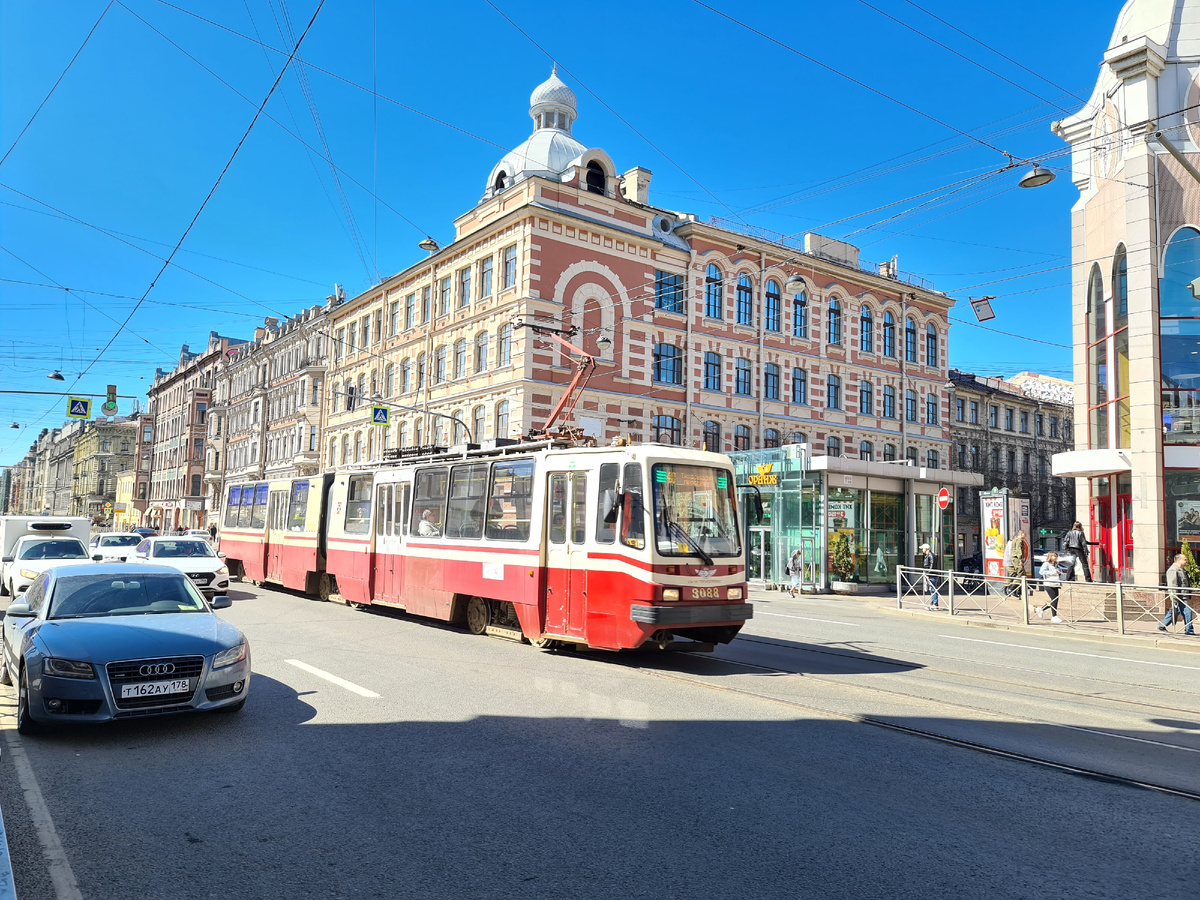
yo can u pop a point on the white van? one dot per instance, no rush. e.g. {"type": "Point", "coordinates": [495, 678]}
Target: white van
{"type": "Point", "coordinates": [13, 528]}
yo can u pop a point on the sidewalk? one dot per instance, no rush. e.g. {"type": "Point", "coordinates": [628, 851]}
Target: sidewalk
{"type": "Point", "coordinates": [886, 602]}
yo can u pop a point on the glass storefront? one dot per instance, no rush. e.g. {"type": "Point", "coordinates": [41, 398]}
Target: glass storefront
{"type": "Point", "coordinates": [885, 542]}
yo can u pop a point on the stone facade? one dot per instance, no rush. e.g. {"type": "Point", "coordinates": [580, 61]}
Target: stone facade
{"type": "Point", "coordinates": [101, 451]}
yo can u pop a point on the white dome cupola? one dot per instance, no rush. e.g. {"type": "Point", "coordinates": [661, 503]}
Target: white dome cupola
{"type": "Point", "coordinates": [552, 104]}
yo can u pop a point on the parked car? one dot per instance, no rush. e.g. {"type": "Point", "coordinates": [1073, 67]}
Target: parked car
{"type": "Point", "coordinates": [198, 533]}
{"type": "Point", "coordinates": [194, 557]}
{"type": "Point", "coordinates": [115, 640]}
{"type": "Point", "coordinates": [114, 547]}
{"type": "Point", "coordinates": [35, 553]}
{"type": "Point", "coordinates": [1066, 562]}
{"type": "Point", "coordinates": [144, 531]}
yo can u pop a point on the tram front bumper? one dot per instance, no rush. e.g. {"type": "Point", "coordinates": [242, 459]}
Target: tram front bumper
{"type": "Point", "coordinates": [690, 615]}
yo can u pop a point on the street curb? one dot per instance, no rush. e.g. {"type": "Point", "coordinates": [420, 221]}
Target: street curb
{"type": "Point", "coordinates": [1147, 642]}
{"type": "Point", "coordinates": [8, 888]}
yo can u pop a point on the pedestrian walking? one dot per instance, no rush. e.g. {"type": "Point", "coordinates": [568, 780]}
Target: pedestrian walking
{"type": "Point", "coordinates": [795, 569]}
{"type": "Point", "coordinates": [1178, 596]}
{"type": "Point", "coordinates": [1076, 541]}
{"type": "Point", "coordinates": [1014, 562]}
{"type": "Point", "coordinates": [1051, 581]}
{"type": "Point", "coordinates": [927, 563]}
{"type": "Point", "coordinates": [212, 531]}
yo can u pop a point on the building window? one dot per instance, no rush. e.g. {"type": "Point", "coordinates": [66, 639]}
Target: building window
{"type": "Point", "coordinates": [464, 287]}
{"type": "Point", "coordinates": [389, 381]}
{"type": "Point", "coordinates": [798, 437]}
{"type": "Point", "coordinates": [741, 437]}
{"type": "Point", "coordinates": [712, 437]}
{"type": "Point", "coordinates": [910, 341]}
{"type": "Point", "coordinates": [910, 406]}
{"type": "Point", "coordinates": [931, 409]}
{"type": "Point", "coordinates": [426, 304]}
{"type": "Point", "coordinates": [962, 456]}
{"type": "Point", "coordinates": [1026, 464]}
{"type": "Point", "coordinates": [866, 398]}
{"type": "Point", "coordinates": [421, 371]}
{"type": "Point", "coordinates": [741, 377]}
{"type": "Point", "coordinates": [509, 270]}
{"type": "Point", "coordinates": [771, 438]}
{"type": "Point", "coordinates": [394, 319]}
{"type": "Point", "coordinates": [668, 291]}
{"type": "Point", "coordinates": [666, 429]}
{"type": "Point", "coordinates": [668, 364]}
{"type": "Point", "coordinates": [405, 375]}
{"type": "Point", "coordinates": [379, 325]}
{"type": "Point", "coordinates": [833, 392]}
{"type": "Point", "coordinates": [745, 301]}
{"type": "Point", "coordinates": [1054, 426]}
{"type": "Point", "coordinates": [712, 371]}
{"type": "Point", "coordinates": [1008, 419]}
{"type": "Point", "coordinates": [866, 331]}
{"type": "Point", "coordinates": [799, 386]}
{"type": "Point", "coordinates": [771, 311]}
{"type": "Point", "coordinates": [714, 292]}
{"type": "Point", "coordinates": [444, 292]}
{"type": "Point", "coordinates": [478, 415]}
{"type": "Point", "coordinates": [889, 335]}
{"type": "Point", "coordinates": [911, 455]}
{"type": "Point", "coordinates": [975, 457]}
{"type": "Point", "coordinates": [410, 311]}
{"type": "Point", "coordinates": [501, 419]}
{"type": "Point", "coordinates": [439, 365]}
{"type": "Point", "coordinates": [504, 346]}
{"type": "Point", "coordinates": [995, 459]}
{"type": "Point", "coordinates": [1012, 462]}
{"type": "Point", "coordinates": [481, 352]}
{"type": "Point", "coordinates": [771, 382]}
{"type": "Point", "coordinates": [960, 406]}
{"type": "Point", "coordinates": [993, 417]}
{"type": "Point", "coordinates": [800, 315]}
{"type": "Point", "coordinates": [974, 412]}
{"type": "Point", "coordinates": [1040, 424]}
{"type": "Point", "coordinates": [889, 402]}
{"type": "Point", "coordinates": [834, 316]}
{"type": "Point", "coordinates": [889, 452]}
{"type": "Point", "coordinates": [933, 459]}
{"type": "Point", "coordinates": [866, 451]}
{"type": "Point", "coordinates": [485, 278]}
{"type": "Point", "coordinates": [1024, 422]}
{"type": "Point", "coordinates": [460, 359]}
{"type": "Point", "coordinates": [833, 446]}
{"type": "Point", "coordinates": [931, 345]}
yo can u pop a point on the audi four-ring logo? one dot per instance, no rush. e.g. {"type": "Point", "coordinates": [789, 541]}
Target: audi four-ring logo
{"type": "Point", "coordinates": [157, 669]}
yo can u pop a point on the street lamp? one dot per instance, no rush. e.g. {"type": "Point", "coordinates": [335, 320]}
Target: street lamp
{"type": "Point", "coordinates": [1036, 177]}
{"type": "Point", "coordinates": [430, 245]}
{"type": "Point", "coordinates": [56, 375]}
{"type": "Point", "coordinates": [794, 284]}
{"type": "Point", "coordinates": [15, 425]}
{"type": "Point", "coordinates": [604, 343]}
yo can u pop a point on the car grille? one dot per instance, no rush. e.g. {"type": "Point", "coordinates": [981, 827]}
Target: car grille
{"type": "Point", "coordinates": [158, 710]}
{"type": "Point", "coordinates": [224, 692]}
{"type": "Point", "coordinates": [129, 672]}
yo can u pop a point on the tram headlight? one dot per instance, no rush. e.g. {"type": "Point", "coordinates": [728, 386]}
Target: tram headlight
{"type": "Point", "coordinates": [734, 594]}
{"type": "Point", "coordinates": [670, 594]}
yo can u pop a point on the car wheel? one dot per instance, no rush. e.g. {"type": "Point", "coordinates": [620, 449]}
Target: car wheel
{"type": "Point", "coordinates": [3, 589]}
{"type": "Point", "coordinates": [25, 722]}
{"type": "Point", "coordinates": [5, 675]}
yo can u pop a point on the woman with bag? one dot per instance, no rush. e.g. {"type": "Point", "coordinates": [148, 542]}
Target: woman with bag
{"type": "Point", "coordinates": [1051, 581]}
{"type": "Point", "coordinates": [795, 568]}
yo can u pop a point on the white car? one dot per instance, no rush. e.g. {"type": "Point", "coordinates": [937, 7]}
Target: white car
{"type": "Point", "coordinates": [198, 533]}
{"type": "Point", "coordinates": [114, 547]}
{"type": "Point", "coordinates": [35, 553]}
{"type": "Point", "coordinates": [192, 556]}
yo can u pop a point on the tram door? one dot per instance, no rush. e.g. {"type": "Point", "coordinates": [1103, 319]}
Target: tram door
{"type": "Point", "coordinates": [758, 558]}
{"type": "Point", "coordinates": [277, 509]}
{"type": "Point", "coordinates": [390, 520]}
{"type": "Point", "coordinates": [566, 553]}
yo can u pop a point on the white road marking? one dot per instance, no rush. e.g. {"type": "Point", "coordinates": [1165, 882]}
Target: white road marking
{"type": "Point", "coordinates": [61, 876]}
{"type": "Point", "coordinates": [1124, 737]}
{"type": "Point", "coordinates": [954, 637]}
{"type": "Point", "coordinates": [807, 619]}
{"type": "Point", "coordinates": [341, 682]}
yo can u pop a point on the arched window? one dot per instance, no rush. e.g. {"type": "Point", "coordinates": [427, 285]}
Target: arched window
{"type": "Point", "coordinates": [460, 431]}
{"type": "Point", "coordinates": [798, 437]}
{"type": "Point", "coordinates": [333, 461]}
{"type": "Point", "coordinates": [833, 392]}
{"type": "Point", "coordinates": [771, 312]}
{"type": "Point", "coordinates": [771, 438]}
{"type": "Point", "coordinates": [712, 371]}
{"type": "Point", "coordinates": [460, 359]}
{"type": "Point", "coordinates": [481, 352]}
{"type": "Point", "coordinates": [595, 177]}
{"type": "Point", "coordinates": [833, 446]}
{"type": "Point", "coordinates": [910, 405]}
{"type": "Point", "coordinates": [889, 335]}
{"type": "Point", "coordinates": [501, 424]}
{"type": "Point", "coordinates": [389, 381]}
{"type": "Point", "coordinates": [741, 437]}
{"type": "Point", "coordinates": [419, 433]}
{"type": "Point", "coordinates": [866, 331]}
{"type": "Point", "coordinates": [799, 386]}
{"type": "Point", "coordinates": [504, 346]}
{"type": "Point", "coordinates": [800, 315]}
{"type": "Point", "coordinates": [374, 382]}
{"type": "Point", "coordinates": [358, 446]}
{"type": "Point", "coordinates": [933, 459]}
{"type": "Point", "coordinates": [666, 429]}
{"type": "Point", "coordinates": [770, 381]}
{"type": "Point", "coordinates": [931, 345]}
{"type": "Point", "coordinates": [745, 301]}
{"type": "Point", "coordinates": [478, 415]}
{"type": "Point", "coordinates": [1097, 319]}
{"type": "Point", "coordinates": [714, 292]}
{"type": "Point", "coordinates": [668, 364]}
{"type": "Point", "coordinates": [439, 365]}
{"type": "Point", "coordinates": [1178, 340]}
{"type": "Point", "coordinates": [712, 437]}
{"type": "Point", "coordinates": [741, 377]}
{"type": "Point", "coordinates": [402, 435]}
{"type": "Point", "coordinates": [910, 341]}
{"type": "Point", "coordinates": [889, 452]}
{"type": "Point", "coordinates": [834, 331]}
{"type": "Point", "coordinates": [931, 409]}
{"type": "Point", "coordinates": [498, 184]}
{"type": "Point", "coordinates": [866, 451]}
{"type": "Point", "coordinates": [421, 371]}
{"type": "Point", "coordinates": [866, 398]}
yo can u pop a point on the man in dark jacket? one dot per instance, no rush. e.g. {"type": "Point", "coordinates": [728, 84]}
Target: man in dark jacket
{"type": "Point", "coordinates": [1076, 541]}
{"type": "Point", "coordinates": [1178, 596]}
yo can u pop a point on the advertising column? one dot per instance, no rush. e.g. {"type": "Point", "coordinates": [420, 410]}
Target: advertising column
{"type": "Point", "coordinates": [993, 525]}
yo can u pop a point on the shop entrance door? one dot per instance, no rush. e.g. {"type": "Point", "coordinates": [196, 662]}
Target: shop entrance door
{"type": "Point", "coordinates": [1124, 538]}
{"type": "Point", "coordinates": [1101, 555]}
{"type": "Point", "coordinates": [758, 561]}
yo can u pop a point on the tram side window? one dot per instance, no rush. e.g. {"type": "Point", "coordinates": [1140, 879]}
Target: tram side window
{"type": "Point", "coordinates": [558, 509]}
{"type": "Point", "coordinates": [510, 501]}
{"type": "Point", "coordinates": [232, 507]}
{"type": "Point", "coordinates": [258, 513]}
{"type": "Point", "coordinates": [384, 525]}
{"type": "Point", "coordinates": [429, 502]}
{"type": "Point", "coordinates": [606, 532]}
{"type": "Point", "coordinates": [578, 508]}
{"type": "Point", "coordinates": [633, 516]}
{"type": "Point", "coordinates": [247, 502]}
{"type": "Point", "coordinates": [358, 504]}
{"type": "Point", "coordinates": [468, 487]}
{"type": "Point", "coordinates": [298, 506]}
{"type": "Point", "coordinates": [400, 516]}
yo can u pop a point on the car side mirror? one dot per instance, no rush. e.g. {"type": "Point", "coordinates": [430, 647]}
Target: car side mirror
{"type": "Point", "coordinates": [220, 602]}
{"type": "Point", "coordinates": [610, 503]}
{"type": "Point", "coordinates": [220, 554]}
{"type": "Point", "coordinates": [19, 609]}
{"type": "Point", "coordinates": [97, 558]}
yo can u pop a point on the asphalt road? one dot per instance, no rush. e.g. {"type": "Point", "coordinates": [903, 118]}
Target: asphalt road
{"type": "Point", "coordinates": [443, 765]}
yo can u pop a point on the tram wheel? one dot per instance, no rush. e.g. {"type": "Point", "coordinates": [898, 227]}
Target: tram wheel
{"type": "Point", "coordinates": [324, 587]}
{"type": "Point", "coordinates": [544, 643]}
{"type": "Point", "coordinates": [479, 615]}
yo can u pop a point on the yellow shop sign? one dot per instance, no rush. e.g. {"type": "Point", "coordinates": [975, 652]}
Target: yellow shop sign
{"type": "Point", "coordinates": [764, 477]}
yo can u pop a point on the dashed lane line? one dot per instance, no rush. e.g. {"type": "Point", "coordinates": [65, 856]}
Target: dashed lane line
{"type": "Point", "coordinates": [328, 676]}
{"type": "Point", "coordinates": [806, 619]}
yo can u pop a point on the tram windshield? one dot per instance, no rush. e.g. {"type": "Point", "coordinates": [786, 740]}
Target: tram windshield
{"type": "Point", "coordinates": [694, 513]}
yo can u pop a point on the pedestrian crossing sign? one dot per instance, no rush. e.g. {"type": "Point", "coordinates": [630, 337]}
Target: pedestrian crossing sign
{"type": "Point", "coordinates": [379, 415]}
{"type": "Point", "coordinates": [79, 408]}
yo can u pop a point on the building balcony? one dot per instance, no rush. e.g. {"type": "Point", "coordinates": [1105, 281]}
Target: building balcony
{"type": "Point", "coordinates": [213, 477]}
{"type": "Point", "coordinates": [314, 366]}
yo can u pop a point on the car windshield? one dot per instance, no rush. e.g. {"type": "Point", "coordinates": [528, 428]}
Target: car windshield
{"type": "Point", "coordinates": [87, 596]}
{"type": "Point", "coordinates": [694, 512]}
{"type": "Point", "coordinates": [120, 540]}
{"type": "Point", "coordinates": [54, 549]}
{"type": "Point", "coordinates": [182, 549]}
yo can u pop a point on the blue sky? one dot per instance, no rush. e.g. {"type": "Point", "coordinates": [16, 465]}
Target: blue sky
{"type": "Point", "coordinates": [730, 123]}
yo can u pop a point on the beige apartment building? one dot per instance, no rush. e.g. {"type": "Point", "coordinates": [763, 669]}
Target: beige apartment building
{"type": "Point", "coordinates": [706, 334]}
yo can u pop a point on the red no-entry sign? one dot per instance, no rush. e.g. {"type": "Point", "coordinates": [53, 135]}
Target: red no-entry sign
{"type": "Point", "coordinates": [943, 498]}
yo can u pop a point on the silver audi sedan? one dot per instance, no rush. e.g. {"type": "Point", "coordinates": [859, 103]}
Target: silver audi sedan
{"type": "Point", "coordinates": [114, 641]}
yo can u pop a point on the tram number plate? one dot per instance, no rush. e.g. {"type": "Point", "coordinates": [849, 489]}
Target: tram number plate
{"type": "Point", "coordinates": [706, 593]}
{"type": "Point", "coordinates": [153, 688]}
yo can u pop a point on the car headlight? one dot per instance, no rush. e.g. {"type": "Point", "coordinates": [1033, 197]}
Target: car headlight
{"type": "Point", "coordinates": [29, 573]}
{"type": "Point", "coordinates": [734, 594]}
{"type": "Point", "coordinates": [68, 668]}
{"type": "Point", "coordinates": [230, 656]}
{"type": "Point", "coordinates": [224, 570]}
{"type": "Point", "coordinates": [670, 594]}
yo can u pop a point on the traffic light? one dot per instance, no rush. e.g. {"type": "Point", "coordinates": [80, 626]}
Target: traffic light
{"type": "Point", "coordinates": [110, 404]}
